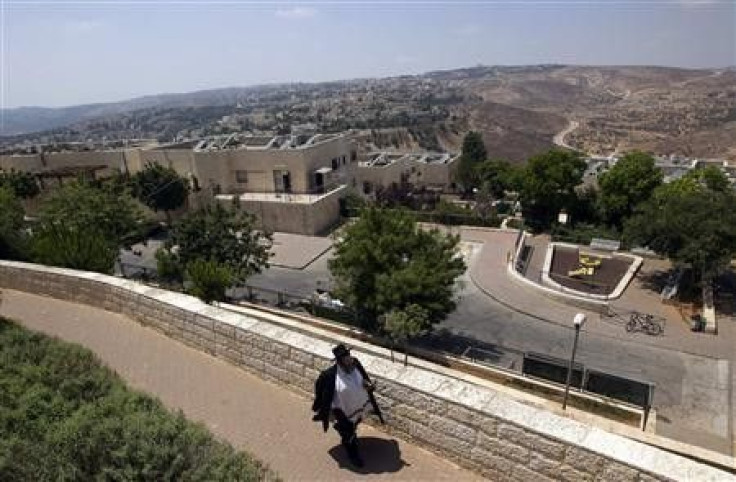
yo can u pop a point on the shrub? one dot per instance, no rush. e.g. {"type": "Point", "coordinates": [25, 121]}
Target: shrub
{"type": "Point", "coordinates": [63, 416]}
{"type": "Point", "coordinates": [72, 247]}
{"type": "Point", "coordinates": [209, 280]}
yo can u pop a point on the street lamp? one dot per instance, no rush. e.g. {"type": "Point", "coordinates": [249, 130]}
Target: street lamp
{"type": "Point", "coordinates": [579, 320]}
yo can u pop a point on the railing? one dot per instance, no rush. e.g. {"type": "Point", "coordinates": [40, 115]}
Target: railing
{"type": "Point", "coordinates": [434, 217]}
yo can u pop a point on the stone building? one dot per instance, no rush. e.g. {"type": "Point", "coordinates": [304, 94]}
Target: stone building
{"type": "Point", "coordinates": [291, 183]}
{"type": "Point", "coordinates": [434, 171]}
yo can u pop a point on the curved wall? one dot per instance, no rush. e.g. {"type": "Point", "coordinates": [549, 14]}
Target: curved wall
{"type": "Point", "coordinates": [476, 426]}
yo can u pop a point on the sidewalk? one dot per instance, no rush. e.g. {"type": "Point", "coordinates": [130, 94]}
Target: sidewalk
{"type": "Point", "coordinates": [264, 419]}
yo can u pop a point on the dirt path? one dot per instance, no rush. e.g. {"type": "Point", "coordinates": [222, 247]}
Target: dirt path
{"type": "Point", "coordinates": [559, 138]}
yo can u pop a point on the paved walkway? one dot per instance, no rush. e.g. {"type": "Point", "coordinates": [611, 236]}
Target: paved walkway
{"type": "Point", "coordinates": [266, 420]}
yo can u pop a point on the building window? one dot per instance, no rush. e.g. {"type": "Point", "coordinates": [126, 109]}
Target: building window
{"type": "Point", "coordinates": [241, 177]}
{"type": "Point", "coordinates": [344, 158]}
{"type": "Point", "coordinates": [367, 187]}
{"type": "Point", "coordinates": [353, 156]}
{"type": "Point", "coordinates": [282, 181]}
{"type": "Point", "coordinates": [335, 163]}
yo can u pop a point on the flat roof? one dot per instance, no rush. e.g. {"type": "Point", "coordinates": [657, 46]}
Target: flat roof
{"type": "Point", "coordinates": [263, 142]}
{"type": "Point", "coordinates": [383, 159]}
{"type": "Point", "coordinates": [282, 197]}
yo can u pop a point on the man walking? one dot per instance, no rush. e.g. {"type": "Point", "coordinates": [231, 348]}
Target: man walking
{"type": "Point", "coordinates": [342, 393]}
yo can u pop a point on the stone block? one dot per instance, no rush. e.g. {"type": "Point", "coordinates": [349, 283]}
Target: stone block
{"type": "Point", "coordinates": [229, 342]}
{"type": "Point", "coordinates": [301, 357]}
{"type": "Point", "coordinates": [613, 472]}
{"type": "Point", "coordinates": [513, 433]}
{"type": "Point", "coordinates": [320, 363]}
{"type": "Point", "coordinates": [254, 364]}
{"type": "Point", "coordinates": [204, 322]}
{"type": "Point", "coordinates": [304, 385]}
{"type": "Point", "coordinates": [233, 356]}
{"type": "Point", "coordinates": [192, 339]}
{"type": "Point", "coordinates": [583, 460]}
{"type": "Point", "coordinates": [521, 473]}
{"type": "Point", "coordinates": [244, 336]}
{"type": "Point", "coordinates": [311, 374]}
{"type": "Point", "coordinates": [549, 448]}
{"type": "Point", "coordinates": [486, 442]}
{"type": "Point", "coordinates": [543, 465]}
{"type": "Point", "coordinates": [411, 397]}
{"type": "Point", "coordinates": [490, 461]}
{"type": "Point", "coordinates": [277, 373]}
{"type": "Point", "coordinates": [408, 412]}
{"type": "Point", "coordinates": [462, 414]}
{"type": "Point", "coordinates": [253, 352]}
{"type": "Point", "coordinates": [569, 474]}
{"type": "Point", "coordinates": [452, 428]}
{"type": "Point", "coordinates": [487, 424]}
{"type": "Point", "coordinates": [280, 349]}
{"type": "Point", "coordinates": [384, 401]}
{"type": "Point", "coordinates": [224, 329]}
{"type": "Point", "coordinates": [294, 367]}
{"type": "Point", "coordinates": [514, 452]}
{"type": "Point", "coordinates": [261, 342]}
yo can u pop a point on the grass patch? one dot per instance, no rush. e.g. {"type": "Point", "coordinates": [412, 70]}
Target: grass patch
{"type": "Point", "coordinates": [64, 416]}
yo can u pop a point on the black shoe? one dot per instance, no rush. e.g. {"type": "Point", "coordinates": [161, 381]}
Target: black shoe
{"type": "Point", "coordinates": [354, 454]}
{"type": "Point", "coordinates": [356, 460]}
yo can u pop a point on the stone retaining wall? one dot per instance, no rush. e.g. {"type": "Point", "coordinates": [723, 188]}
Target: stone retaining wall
{"type": "Point", "coordinates": [476, 426]}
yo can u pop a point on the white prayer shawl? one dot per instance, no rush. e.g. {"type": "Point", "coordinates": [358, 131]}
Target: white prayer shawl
{"type": "Point", "coordinates": [350, 395]}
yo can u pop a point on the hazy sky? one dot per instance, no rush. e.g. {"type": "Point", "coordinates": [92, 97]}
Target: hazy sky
{"type": "Point", "coordinates": [62, 53]}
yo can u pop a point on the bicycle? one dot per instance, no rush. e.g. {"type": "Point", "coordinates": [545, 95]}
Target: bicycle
{"type": "Point", "coordinates": [644, 323]}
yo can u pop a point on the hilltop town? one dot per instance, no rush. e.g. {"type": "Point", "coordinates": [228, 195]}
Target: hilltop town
{"type": "Point", "coordinates": [520, 111]}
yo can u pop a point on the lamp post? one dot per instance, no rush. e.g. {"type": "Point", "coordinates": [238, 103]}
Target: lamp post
{"type": "Point", "coordinates": [579, 320]}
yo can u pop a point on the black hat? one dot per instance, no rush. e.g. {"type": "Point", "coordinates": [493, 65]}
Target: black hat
{"type": "Point", "coordinates": [340, 351]}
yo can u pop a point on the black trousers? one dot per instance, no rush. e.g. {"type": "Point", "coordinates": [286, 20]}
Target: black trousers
{"type": "Point", "coordinates": [347, 430]}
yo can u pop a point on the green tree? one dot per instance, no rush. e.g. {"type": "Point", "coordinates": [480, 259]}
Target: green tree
{"type": "Point", "coordinates": [221, 235]}
{"type": "Point", "coordinates": [23, 184]}
{"type": "Point", "coordinates": [168, 268]}
{"type": "Point", "coordinates": [79, 206]}
{"type": "Point", "coordinates": [711, 177]}
{"type": "Point", "coordinates": [12, 238]}
{"type": "Point", "coordinates": [75, 247]}
{"type": "Point", "coordinates": [209, 280]}
{"type": "Point", "coordinates": [385, 261]}
{"type": "Point", "coordinates": [497, 176]}
{"type": "Point", "coordinates": [691, 224]}
{"type": "Point", "coordinates": [548, 185]}
{"type": "Point", "coordinates": [628, 183]}
{"type": "Point", "coordinates": [160, 188]}
{"type": "Point", "coordinates": [403, 325]}
{"type": "Point", "coordinates": [473, 153]}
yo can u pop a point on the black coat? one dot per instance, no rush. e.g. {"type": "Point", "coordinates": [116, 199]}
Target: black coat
{"type": "Point", "coordinates": [324, 392]}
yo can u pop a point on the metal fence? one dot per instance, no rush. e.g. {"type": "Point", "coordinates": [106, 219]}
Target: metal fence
{"type": "Point", "coordinates": [437, 217]}
{"type": "Point", "coordinates": [588, 380]}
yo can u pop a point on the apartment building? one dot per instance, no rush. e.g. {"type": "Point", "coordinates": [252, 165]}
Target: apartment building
{"type": "Point", "coordinates": [291, 183]}
{"type": "Point", "coordinates": [435, 171]}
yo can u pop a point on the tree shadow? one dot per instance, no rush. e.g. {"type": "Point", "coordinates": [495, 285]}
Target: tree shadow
{"type": "Point", "coordinates": [470, 347]}
{"type": "Point", "coordinates": [655, 280]}
{"type": "Point", "coordinates": [725, 293]}
{"type": "Point", "coordinates": [380, 456]}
